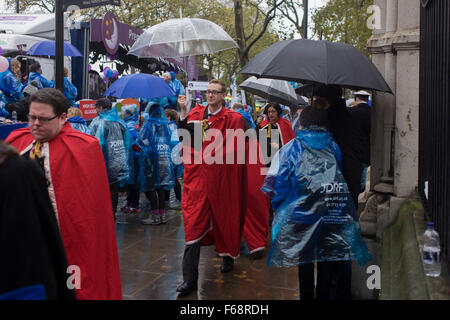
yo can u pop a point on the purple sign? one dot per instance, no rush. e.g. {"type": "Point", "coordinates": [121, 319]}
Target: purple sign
{"type": "Point", "coordinates": [192, 69]}
{"type": "Point", "coordinates": [110, 32]}
{"type": "Point", "coordinates": [127, 35]}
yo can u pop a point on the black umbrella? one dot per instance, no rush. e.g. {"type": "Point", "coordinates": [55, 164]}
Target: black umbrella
{"type": "Point", "coordinates": [317, 62]}
{"type": "Point", "coordinates": [271, 89]}
{"type": "Point", "coordinates": [306, 90]}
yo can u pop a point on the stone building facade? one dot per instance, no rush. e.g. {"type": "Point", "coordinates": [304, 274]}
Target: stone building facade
{"type": "Point", "coordinates": [395, 118]}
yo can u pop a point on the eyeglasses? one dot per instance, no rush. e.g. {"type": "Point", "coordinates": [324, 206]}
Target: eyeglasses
{"type": "Point", "coordinates": [213, 92]}
{"type": "Point", "coordinates": [32, 118]}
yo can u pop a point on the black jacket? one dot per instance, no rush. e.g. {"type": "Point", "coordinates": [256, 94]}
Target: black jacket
{"type": "Point", "coordinates": [361, 115]}
{"type": "Point", "coordinates": [31, 248]}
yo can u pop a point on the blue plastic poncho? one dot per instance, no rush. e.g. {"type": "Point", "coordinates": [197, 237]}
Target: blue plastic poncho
{"type": "Point", "coordinates": [130, 115]}
{"type": "Point", "coordinates": [177, 87]}
{"type": "Point", "coordinates": [78, 123]}
{"type": "Point", "coordinates": [246, 117]}
{"type": "Point", "coordinates": [315, 218]}
{"type": "Point", "coordinates": [3, 112]}
{"type": "Point", "coordinates": [176, 149]}
{"type": "Point", "coordinates": [70, 91]}
{"type": "Point", "coordinates": [155, 165]}
{"type": "Point", "coordinates": [43, 82]}
{"type": "Point", "coordinates": [116, 145]}
{"type": "Point", "coordinates": [11, 87]}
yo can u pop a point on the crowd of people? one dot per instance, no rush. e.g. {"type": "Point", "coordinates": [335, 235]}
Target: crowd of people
{"type": "Point", "coordinates": [229, 205]}
{"type": "Point", "coordinates": [16, 88]}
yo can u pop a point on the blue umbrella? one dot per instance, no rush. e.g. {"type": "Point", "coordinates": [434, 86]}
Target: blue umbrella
{"type": "Point", "coordinates": [140, 85]}
{"type": "Point", "coordinates": [47, 48]}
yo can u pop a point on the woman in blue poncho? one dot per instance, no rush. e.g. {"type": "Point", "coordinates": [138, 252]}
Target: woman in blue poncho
{"type": "Point", "coordinates": [36, 74]}
{"type": "Point", "coordinates": [76, 121]}
{"type": "Point", "coordinates": [315, 220]}
{"type": "Point", "coordinates": [70, 91]}
{"type": "Point", "coordinates": [10, 83]}
{"type": "Point", "coordinates": [116, 144]}
{"type": "Point", "coordinates": [175, 145]}
{"type": "Point", "coordinates": [130, 115]}
{"type": "Point", "coordinates": [156, 170]}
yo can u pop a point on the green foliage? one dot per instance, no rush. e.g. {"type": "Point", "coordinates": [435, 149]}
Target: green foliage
{"type": "Point", "coordinates": [343, 21]}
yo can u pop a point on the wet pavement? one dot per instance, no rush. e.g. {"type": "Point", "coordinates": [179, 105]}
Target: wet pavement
{"type": "Point", "coordinates": [150, 260]}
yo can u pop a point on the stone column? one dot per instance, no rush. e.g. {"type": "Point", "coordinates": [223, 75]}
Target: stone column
{"type": "Point", "coordinates": [407, 44]}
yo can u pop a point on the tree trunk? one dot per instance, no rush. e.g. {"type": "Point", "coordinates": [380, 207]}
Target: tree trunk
{"type": "Point", "coordinates": [240, 35]}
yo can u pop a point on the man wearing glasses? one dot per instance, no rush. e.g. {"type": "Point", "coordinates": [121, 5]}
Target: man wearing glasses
{"type": "Point", "coordinates": [214, 194]}
{"type": "Point", "coordinates": [79, 191]}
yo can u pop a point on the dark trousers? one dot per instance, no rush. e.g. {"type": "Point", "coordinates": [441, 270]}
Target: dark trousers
{"type": "Point", "coordinates": [306, 281]}
{"type": "Point", "coordinates": [114, 189]}
{"type": "Point", "coordinates": [334, 280]}
{"type": "Point", "coordinates": [176, 189]}
{"type": "Point", "coordinates": [133, 191]}
{"type": "Point", "coordinates": [352, 171]}
{"type": "Point", "coordinates": [157, 198]}
{"type": "Point", "coordinates": [133, 195]}
{"type": "Point", "coordinates": [191, 259]}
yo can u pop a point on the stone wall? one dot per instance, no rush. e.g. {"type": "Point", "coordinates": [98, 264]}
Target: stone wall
{"type": "Point", "coordinates": [395, 118]}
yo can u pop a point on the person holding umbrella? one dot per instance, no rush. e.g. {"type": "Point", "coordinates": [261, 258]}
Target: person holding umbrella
{"type": "Point", "coordinates": [214, 200]}
{"type": "Point", "coordinates": [314, 221]}
{"type": "Point", "coordinates": [346, 133]}
{"type": "Point", "coordinates": [275, 126]}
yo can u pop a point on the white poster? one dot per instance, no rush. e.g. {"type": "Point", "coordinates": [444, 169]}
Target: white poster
{"type": "Point", "coordinates": [197, 85]}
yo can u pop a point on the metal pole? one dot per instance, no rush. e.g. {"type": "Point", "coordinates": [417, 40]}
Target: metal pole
{"type": "Point", "coordinates": [17, 6]}
{"type": "Point", "coordinates": [305, 18]}
{"type": "Point", "coordinates": [59, 45]}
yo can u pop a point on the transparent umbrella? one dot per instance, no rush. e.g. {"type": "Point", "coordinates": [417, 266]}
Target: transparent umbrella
{"type": "Point", "coordinates": [181, 38]}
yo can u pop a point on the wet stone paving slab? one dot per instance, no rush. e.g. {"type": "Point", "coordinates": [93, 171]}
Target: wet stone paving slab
{"type": "Point", "coordinates": [150, 258]}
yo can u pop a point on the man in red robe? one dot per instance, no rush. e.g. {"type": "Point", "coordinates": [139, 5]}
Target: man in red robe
{"type": "Point", "coordinates": [214, 190]}
{"type": "Point", "coordinates": [79, 191]}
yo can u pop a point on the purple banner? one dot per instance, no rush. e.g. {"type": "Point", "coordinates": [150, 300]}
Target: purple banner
{"type": "Point", "coordinates": [192, 69]}
{"type": "Point", "coordinates": [127, 34]}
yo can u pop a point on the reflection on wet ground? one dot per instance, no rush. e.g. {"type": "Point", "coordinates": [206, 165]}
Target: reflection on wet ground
{"type": "Point", "coordinates": [150, 262]}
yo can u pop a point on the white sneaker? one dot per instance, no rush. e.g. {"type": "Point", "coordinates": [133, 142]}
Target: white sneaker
{"type": "Point", "coordinates": [152, 220]}
{"type": "Point", "coordinates": [162, 218]}
{"type": "Point", "coordinates": [176, 204]}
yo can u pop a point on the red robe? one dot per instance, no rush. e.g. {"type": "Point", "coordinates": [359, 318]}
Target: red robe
{"type": "Point", "coordinates": [256, 227]}
{"type": "Point", "coordinates": [79, 190]}
{"type": "Point", "coordinates": [286, 131]}
{"type": "Point", "coordinates": [214, 197]}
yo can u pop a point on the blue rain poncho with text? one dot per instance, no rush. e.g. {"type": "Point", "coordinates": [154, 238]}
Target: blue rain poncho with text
{"type": "Point", "coordinates": [314, 215]}
{"type": "Point", "coordinates": [155, 164]}
{"type": "Point", "coordinates": [116, 145]}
